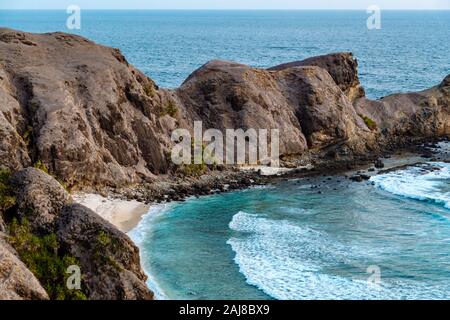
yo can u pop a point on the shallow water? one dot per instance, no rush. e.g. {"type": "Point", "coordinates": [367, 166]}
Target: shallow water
{"type": "Point", "coordinates": [291, 242]}
{"type": "Point", "coordinates": [411, 52]}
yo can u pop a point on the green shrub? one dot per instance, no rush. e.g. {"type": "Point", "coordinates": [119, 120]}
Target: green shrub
{"type": "Point", "coordinates": [149, 90]}
{"type": "Point", "coordinates": [28, 136]}
{"type": "Point", "coordinates": [41, 255]}
{"type": "Point", "coordinates": [41, 166]}
{"type": "Point", "coordinates": [171, 109]}
{"type": "Point", "coordinates": [7, 198]}
{"type": "Point", "coordinates": [371, 124]}
{"type": "Point", "coordinates": [103, 239]}
{"type": "Point", "coordinates": [192, 170]}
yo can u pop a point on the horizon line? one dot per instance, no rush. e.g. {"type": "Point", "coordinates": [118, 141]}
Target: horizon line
{"type": "Point", "coordinates": [230, 9]}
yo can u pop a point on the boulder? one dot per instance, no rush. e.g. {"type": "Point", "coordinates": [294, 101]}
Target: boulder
{"type": "Point", "coordinates": [39, 198]}
{"type": "Point", "coordinates": [109, 261]}
{"type": "Point", "coordinates": [16, 281]}
{"type": "Point", "coordinates": [342, 67]}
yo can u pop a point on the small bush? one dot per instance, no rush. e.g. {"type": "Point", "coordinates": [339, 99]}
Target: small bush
{"type": "Point", "coordinates": [103, 239]}
{"type": "Point", "coordinates": [192, 170]}
{"type": "Point", "coordinates": [41, 256]}
{"type": "Point", "coordinates": [7, 198]}
{"type": "Point", "coordinates": [171, 109]}
{"type": "Point", "coordinates": [28, 136]}
{"type": "Point", "coordinates": [41, 166]}
{"type": "Point", "coordinates": [149, 90]}
{"type": "Point", "coordinates": [372, 125]}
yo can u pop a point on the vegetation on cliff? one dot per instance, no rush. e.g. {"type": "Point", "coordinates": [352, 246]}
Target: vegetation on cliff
{"type": "Point", "coordinates": [43, 257]}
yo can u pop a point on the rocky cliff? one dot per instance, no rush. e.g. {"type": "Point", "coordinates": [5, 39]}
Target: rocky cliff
{"type": "Point", "coordinates": [87, 118]}
{"type": "Point", "coordinates": [50, 234]}
{"type": "Point", "coordinates": [93, 119]}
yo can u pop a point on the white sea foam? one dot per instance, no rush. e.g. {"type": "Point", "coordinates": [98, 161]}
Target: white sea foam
{"type": "Point", "coordinates": [422, 182]}
{"type": "Point", "coordinates": [287, 261]}
{"type": "Point", "coordinates": [138, 235]}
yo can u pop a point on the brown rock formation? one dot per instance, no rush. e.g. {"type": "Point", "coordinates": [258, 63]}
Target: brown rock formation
{"type": "Point", "coordinates": [109, 261]}
{"type": "Point", "coordinates": [93, 119]}
{"type": "Point", "coordinates": [16, 281]}
{"type": "Point", "coordinates": [342, 67]}
{"type": "Point", "coordinates": [40, 198]}
{"type": "Point", "coordinates": [80, 108]}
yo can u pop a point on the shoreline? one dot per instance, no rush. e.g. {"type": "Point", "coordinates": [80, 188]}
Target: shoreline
{"type": "Point", "coordinates": [126, 212]}
{"type": "Point", "coordinates": [125, 215]}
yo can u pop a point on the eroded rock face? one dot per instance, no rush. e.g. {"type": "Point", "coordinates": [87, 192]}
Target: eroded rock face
{"type": "Point", "coordinates": [2, 224]}
{"type": "Point", "coordinates": [303, 102]}
{"type": "Point", "coordinates": [80, 108]}
{"type": "Point", "coordinates": [109, 260]}
{"type": "Point", "coordinates": [410, 115]}
{"type": "Point", "coordinates": [227, 95]}
{"type": "Point", "coordinates": [342, 67]}
{"type": "Point", "coordinates": [16, 281]}
{"type": "Point", "coordinates": [110, 264]}
{"type": "Point", "coordinates": [95, 120]}
{"type": "Point", "coordinates": [39, 198]}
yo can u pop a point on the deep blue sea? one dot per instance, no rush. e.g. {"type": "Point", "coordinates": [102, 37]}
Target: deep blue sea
{"type": "Point", "coordinates": [387, 238]}
{"type": "Point", "coordinates": [411, 51]}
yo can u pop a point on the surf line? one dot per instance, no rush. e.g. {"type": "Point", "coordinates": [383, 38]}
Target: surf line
{"type": "Point", "coordinates": [191, 310]}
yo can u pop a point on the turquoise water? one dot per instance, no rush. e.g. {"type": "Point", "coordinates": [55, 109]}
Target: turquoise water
{"type": "Point", "coordinates": [288, 241]}
{"type": "Point", "coordinates": [410, 52]}
{"type": "Point", "coordinates": [383, 239]}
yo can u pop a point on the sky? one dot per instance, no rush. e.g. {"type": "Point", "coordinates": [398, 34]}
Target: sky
{"type": "Point", "coordinates": [225, 4]}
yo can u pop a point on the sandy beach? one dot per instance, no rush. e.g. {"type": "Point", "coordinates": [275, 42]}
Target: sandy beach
{"type": "Point", "coordinates": [123, 214]}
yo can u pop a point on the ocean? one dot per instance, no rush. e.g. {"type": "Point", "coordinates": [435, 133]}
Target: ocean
{"type": "Point", "coordinates": [410, 52]}
{"type": "Point", "coordinates": [386, 238]}
{"type": "Point", "coordinates": [316, 238]}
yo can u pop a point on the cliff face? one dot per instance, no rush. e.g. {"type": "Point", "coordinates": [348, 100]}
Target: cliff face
{"type": "Point", "coordinates": [400, 116]}
{"type": "Point", "coordinates": [50, 234]}
{"type": "Point", "coordinates": [80, 108]}
{"type": "Point", "coordinates": [92, 118]}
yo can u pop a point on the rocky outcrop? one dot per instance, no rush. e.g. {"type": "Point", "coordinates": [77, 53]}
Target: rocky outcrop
{"type": "Point", "coordinates": [109, 261]}
{"type": "Point", "coordinates": [94, 120]}
{"type": "Point", "coordinates": [39, 198]}
{"type": "Point", "coordinates": [342, 67]}
{"type": "Point", "coordinates": [16, 281]}
{"type": "Point", "coordinates": [402, 117]}
{"type": "Point", "coordinates": [304, 103]}
{"type": "Point", "coordinates": [80, 108]}
{"type": "Point", "coordinates": [82, 112]}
